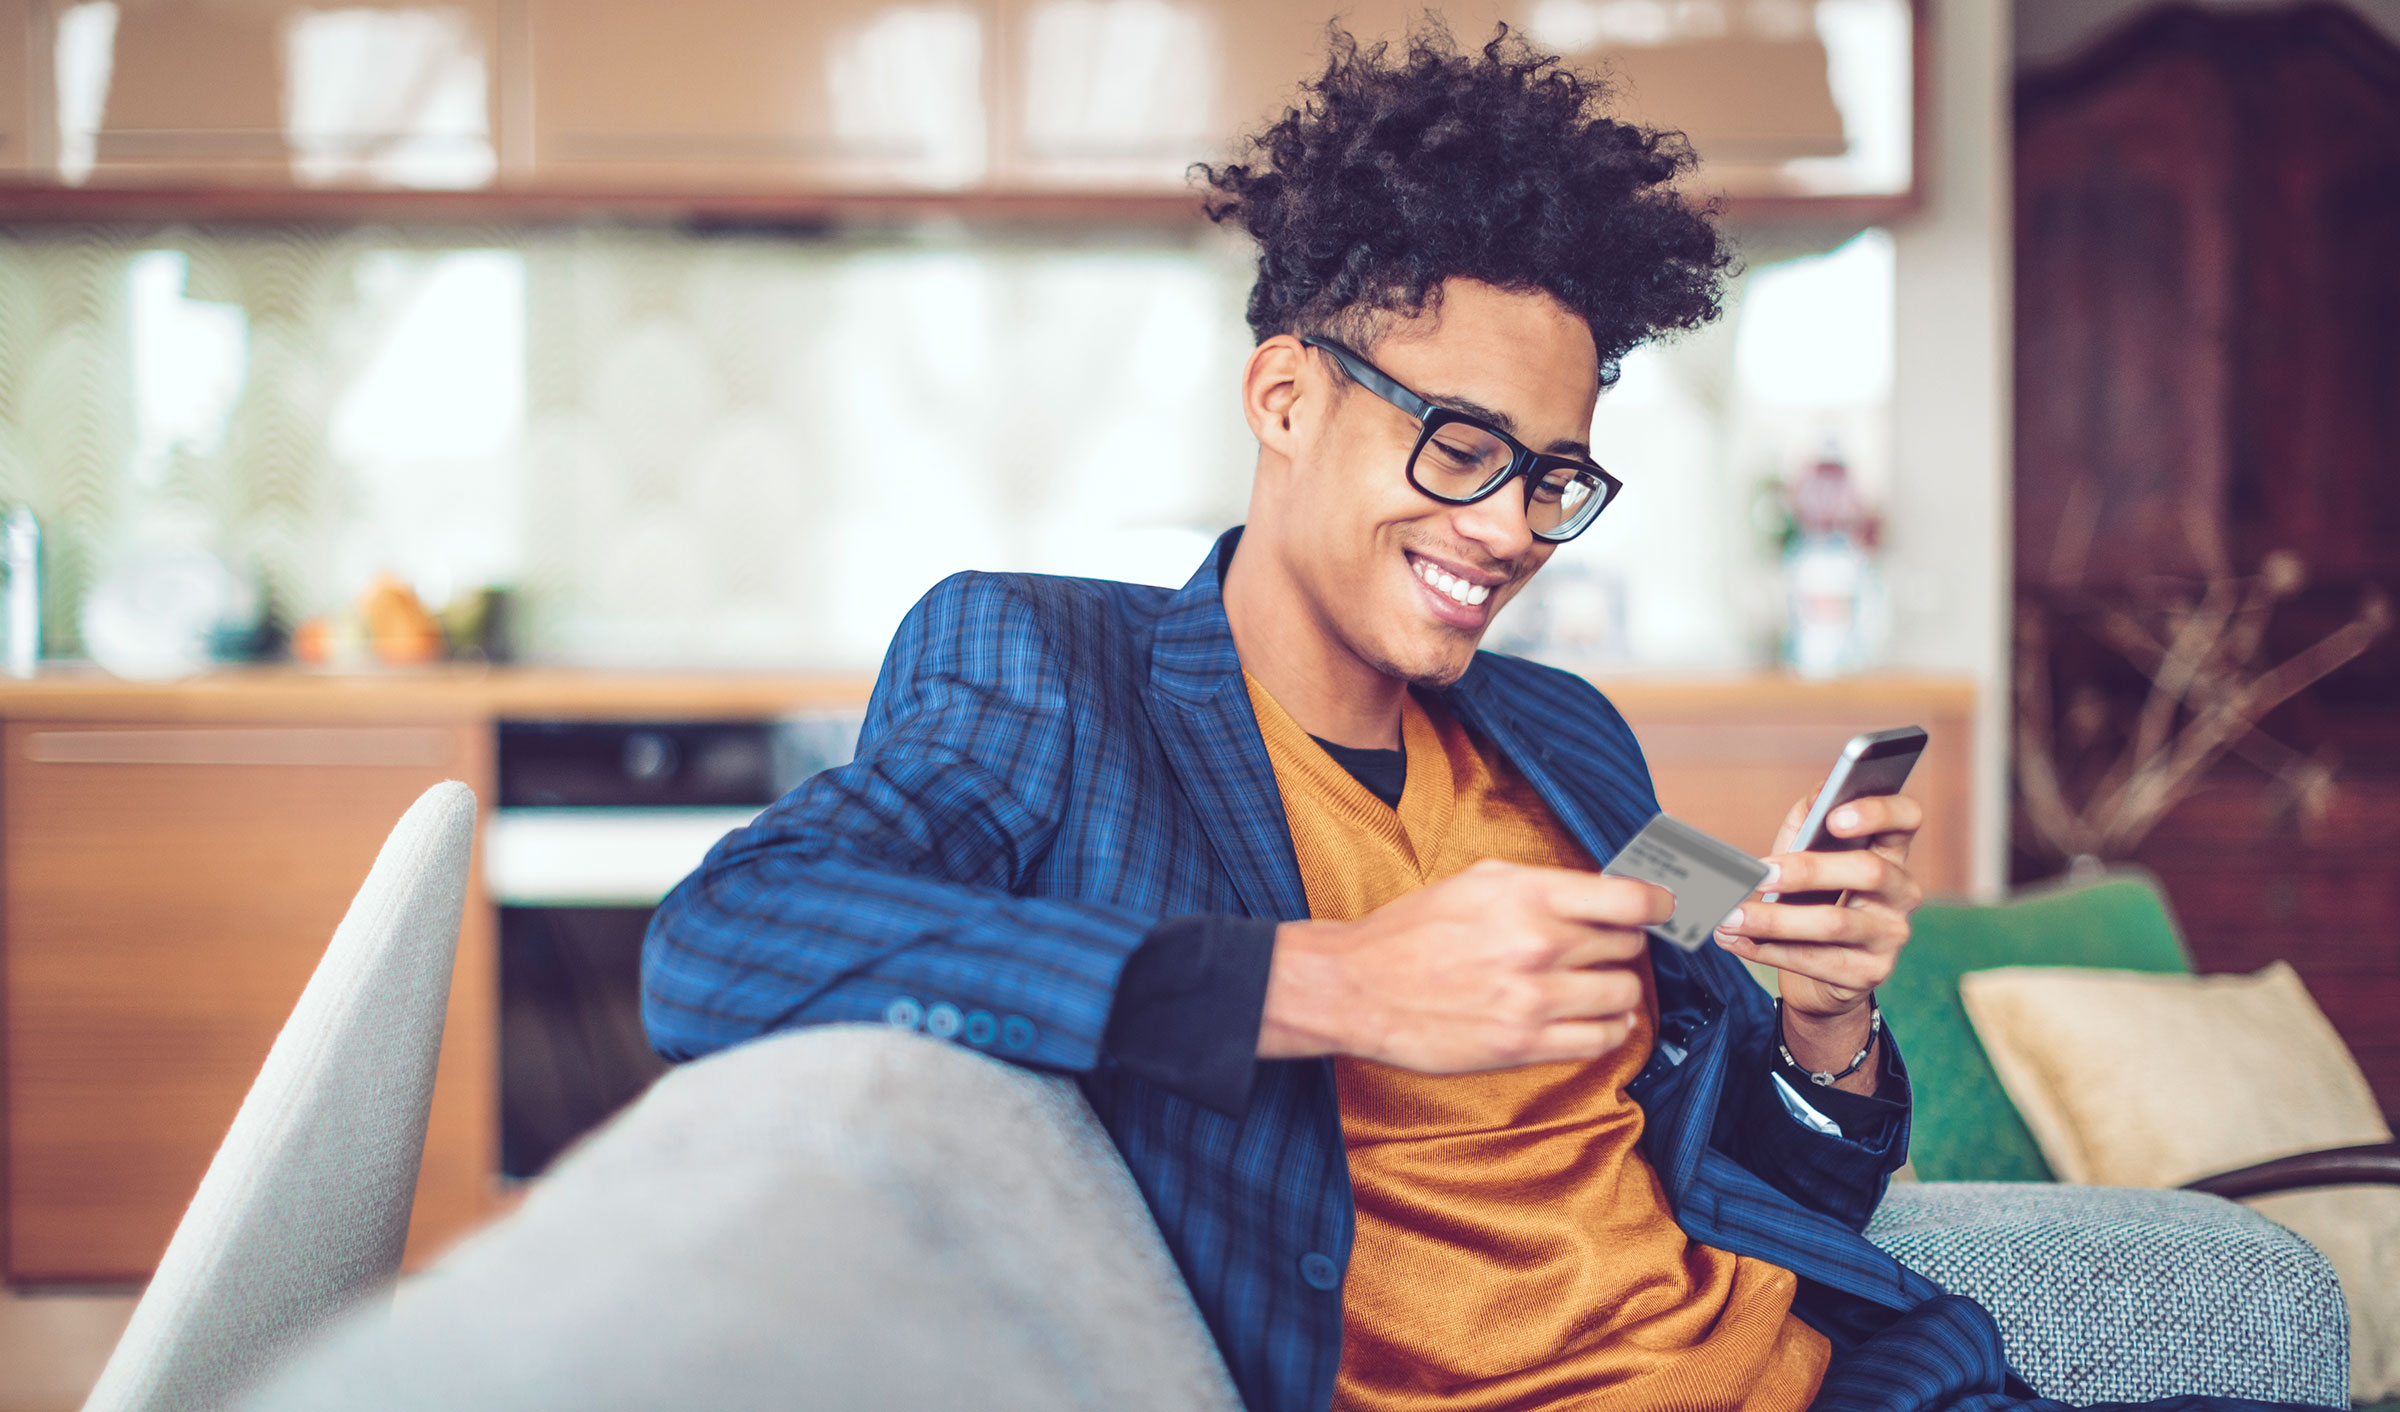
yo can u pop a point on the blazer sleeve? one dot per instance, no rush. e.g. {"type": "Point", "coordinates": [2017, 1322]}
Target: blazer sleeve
{"type": "Point", "coordinates": [882, 890]}
{"type": "Point", "coordinates": [1844, 1177]}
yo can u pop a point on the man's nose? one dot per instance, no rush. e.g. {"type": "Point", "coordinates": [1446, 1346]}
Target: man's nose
{"type": "Point", "coordinates": [1497, 523]}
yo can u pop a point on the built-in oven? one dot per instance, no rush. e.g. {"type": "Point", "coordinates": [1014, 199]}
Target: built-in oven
{"type": "Point", "coordinates": [597, 820]}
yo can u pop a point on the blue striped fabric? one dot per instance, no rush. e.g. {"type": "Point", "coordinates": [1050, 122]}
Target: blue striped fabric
{"type": "Point", "coordinates": [1050, 766]}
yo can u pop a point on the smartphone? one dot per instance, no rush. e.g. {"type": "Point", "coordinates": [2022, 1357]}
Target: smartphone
{"type": "Point", "coordinates": [1872, 764]}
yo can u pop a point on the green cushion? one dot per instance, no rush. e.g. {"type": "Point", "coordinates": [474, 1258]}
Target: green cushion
{"type": "Point", "coordinates": [1965, 1128]}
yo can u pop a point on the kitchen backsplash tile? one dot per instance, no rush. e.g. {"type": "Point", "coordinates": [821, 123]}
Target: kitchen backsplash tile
{"type": "Point", "coordinates": [680, 449]}
{"type": "Point", "coordinates": [743, 450]}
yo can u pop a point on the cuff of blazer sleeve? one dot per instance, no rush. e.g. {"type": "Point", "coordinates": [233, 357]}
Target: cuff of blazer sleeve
{"type": "Point", "coordinates": [1188, 1008]}
{"type": "Point", "coordinates": [1863, 1117]}
{"type": "Point", "coordinates": [1869, 1120]}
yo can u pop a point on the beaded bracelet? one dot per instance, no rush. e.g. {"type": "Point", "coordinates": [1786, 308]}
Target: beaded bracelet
{"type": "Point", "coordinates": [1819, 1078]}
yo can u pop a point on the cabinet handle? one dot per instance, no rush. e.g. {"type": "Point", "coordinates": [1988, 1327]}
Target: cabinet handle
{"type": "Point", "coordinates": [400, 747]}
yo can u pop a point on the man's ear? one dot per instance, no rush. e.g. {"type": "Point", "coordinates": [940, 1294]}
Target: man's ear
{"type": "Point", "coordinates": [1270, 389]}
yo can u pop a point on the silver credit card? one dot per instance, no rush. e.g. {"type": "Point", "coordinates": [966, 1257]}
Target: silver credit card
{"type": "Point", "coordinates": [1708, 877]}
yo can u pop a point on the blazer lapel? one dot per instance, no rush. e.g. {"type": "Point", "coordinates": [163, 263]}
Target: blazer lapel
{"type": "Point", "coordinates": [1600, 821]}
{"type": "Point", "coordinates": [1203, 717]}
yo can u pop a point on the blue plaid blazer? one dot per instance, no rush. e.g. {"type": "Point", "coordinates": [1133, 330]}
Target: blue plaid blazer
{"type": "Point", "coordinates": [1048, 767]}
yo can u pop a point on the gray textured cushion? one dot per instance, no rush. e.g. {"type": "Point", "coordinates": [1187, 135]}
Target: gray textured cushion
{"type": "Point", "coordinates": [2109, 1294]}
{"type": "Point", "coordinates": [304, 1209]}
{"type": "Point", "coordinates": [837, 1218]}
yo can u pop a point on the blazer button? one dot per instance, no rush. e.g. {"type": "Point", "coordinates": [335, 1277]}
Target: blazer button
{"type": "Point", "coordinates": [904, 1014]}
{"type": "Point", "coordinates": [942, 1020]}
{"type": "Point", "coordinates": [1318, 1269]}
{"type": "Point", "coordinates": [1016, 1032]}
{"type": "Point", "coordinates": [981, 1027]}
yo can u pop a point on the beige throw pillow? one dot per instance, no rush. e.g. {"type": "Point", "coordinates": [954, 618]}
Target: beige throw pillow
{"type": "Point", "coordinates": [2131, 1078]}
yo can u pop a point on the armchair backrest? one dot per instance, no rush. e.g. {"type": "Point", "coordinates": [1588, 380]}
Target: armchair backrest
{"type": "Point", "coordinates": [304, 1209]}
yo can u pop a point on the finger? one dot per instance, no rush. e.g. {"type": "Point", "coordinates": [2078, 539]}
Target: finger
{"type": "Point", "coordinates": [1603, 901]}
{"type": "Point", "coordinates": [1849, 967]}
{"type": "Point", "coordinates": [1858, 871]}
{"type": "Point", "coordinates": [1874, 925]}
{"type": "Point", "coordinates": [1599, 946]}
{"type": "Point", "coordinates": [1569, 1040]}
{"type": "Point", "coordinates": [1606, 993]}
{"type": "Point", "coordinates": [1878, 817]}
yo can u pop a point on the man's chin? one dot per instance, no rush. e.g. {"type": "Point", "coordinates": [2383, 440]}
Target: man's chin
{"type": "Point", "coordinates": [1431, 665]}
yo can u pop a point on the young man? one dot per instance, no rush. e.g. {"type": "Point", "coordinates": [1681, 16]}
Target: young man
{"type": "Point", "coordinates": [1302, 887]}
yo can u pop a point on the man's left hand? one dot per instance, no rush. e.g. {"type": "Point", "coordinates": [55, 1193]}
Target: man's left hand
{"type": "Point", "coordinates": [1833, 957]}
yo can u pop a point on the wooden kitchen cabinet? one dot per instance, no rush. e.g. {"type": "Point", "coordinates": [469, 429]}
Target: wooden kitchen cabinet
{"type": "Point", "coordinates": [166, 890]}
{"type": "Point", "coordinates": [262, 93]}
{"type": "Point", "coordinates": [16, 111]}
{"type": "Point", "coordinates": [744, 94]}
{"type": "Point", "coordinates": [1128, 93]}
{"type": "Point", "coordinates": [1056, 110]}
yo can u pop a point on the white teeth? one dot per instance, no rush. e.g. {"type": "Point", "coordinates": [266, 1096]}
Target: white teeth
{"type": "Point", "coordinates": [1457, 589]}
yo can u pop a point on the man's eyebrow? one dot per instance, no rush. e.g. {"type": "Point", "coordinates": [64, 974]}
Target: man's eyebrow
{"type": "Point", "coordinates": [1564, 446]}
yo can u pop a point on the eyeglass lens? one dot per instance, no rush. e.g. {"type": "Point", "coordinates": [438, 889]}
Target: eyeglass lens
{"type": "Point", "coordinates": [1458, 461]}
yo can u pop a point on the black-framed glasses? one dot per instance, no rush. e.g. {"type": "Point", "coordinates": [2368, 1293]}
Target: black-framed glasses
{"type": "Point", "coordinates": [1460, 459]}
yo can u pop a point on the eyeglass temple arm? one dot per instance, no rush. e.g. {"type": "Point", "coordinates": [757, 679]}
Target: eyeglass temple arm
{"type": "Point", "coordinates": [1372, 378]}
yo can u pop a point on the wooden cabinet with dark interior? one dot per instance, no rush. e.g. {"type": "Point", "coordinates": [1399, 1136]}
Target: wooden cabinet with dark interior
{"type": "Point", "coordinates": [2207, 375]}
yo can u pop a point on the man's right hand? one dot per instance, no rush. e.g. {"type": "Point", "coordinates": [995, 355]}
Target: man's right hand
{"type": "Point", "coordinates": [1498, 966]}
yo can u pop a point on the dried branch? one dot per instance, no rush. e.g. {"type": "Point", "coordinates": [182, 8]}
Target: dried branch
{"type": "Point", "coordinates": [2037, 774]}
{"type": "Point", "coordinates": [2205, 700]}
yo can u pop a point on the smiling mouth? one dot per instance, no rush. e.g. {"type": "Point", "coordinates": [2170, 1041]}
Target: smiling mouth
{"type": "Point", "coordinates": [1449, 585]}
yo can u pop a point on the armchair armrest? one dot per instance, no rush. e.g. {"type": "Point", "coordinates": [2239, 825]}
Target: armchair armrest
{"type": "Point", "coordinates": [2112, 1295]}
{"type": "Point", "coordinates": [2375, 1164]}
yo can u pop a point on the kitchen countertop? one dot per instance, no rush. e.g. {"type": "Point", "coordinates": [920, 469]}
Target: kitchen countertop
{"type": "Point", "coordinates": [74, 692]}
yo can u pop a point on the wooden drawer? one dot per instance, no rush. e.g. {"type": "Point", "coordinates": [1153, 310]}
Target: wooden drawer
{"type": "Point", "coordinates": [166, 892]}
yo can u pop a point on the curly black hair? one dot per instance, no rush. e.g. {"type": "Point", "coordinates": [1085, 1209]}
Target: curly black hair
{"type": "Point", "coordinates": [1399, 170]}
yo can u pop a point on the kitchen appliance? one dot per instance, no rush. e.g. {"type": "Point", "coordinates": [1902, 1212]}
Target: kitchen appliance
{"type": "Point", "coordinates": [597, 821]}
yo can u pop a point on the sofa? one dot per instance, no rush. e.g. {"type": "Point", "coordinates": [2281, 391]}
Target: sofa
{"type": "Point", "coordinates": [856, 1217]}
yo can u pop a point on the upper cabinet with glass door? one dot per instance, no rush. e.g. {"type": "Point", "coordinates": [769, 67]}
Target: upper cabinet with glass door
{"type": "Point", "coordinates": [165, 93]}
{"type": "Point", "coordinates": [1785, 100]}
{"type": "Point", "coordinates": [748, 96]}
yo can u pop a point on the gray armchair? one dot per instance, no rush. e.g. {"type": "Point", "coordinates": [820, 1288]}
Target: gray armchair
{"type": "Point", "coordinates": [859, 1218]}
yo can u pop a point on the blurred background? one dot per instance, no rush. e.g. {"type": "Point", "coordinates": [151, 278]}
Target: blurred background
{"type": "Point", "coordinates": [570, 396]}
